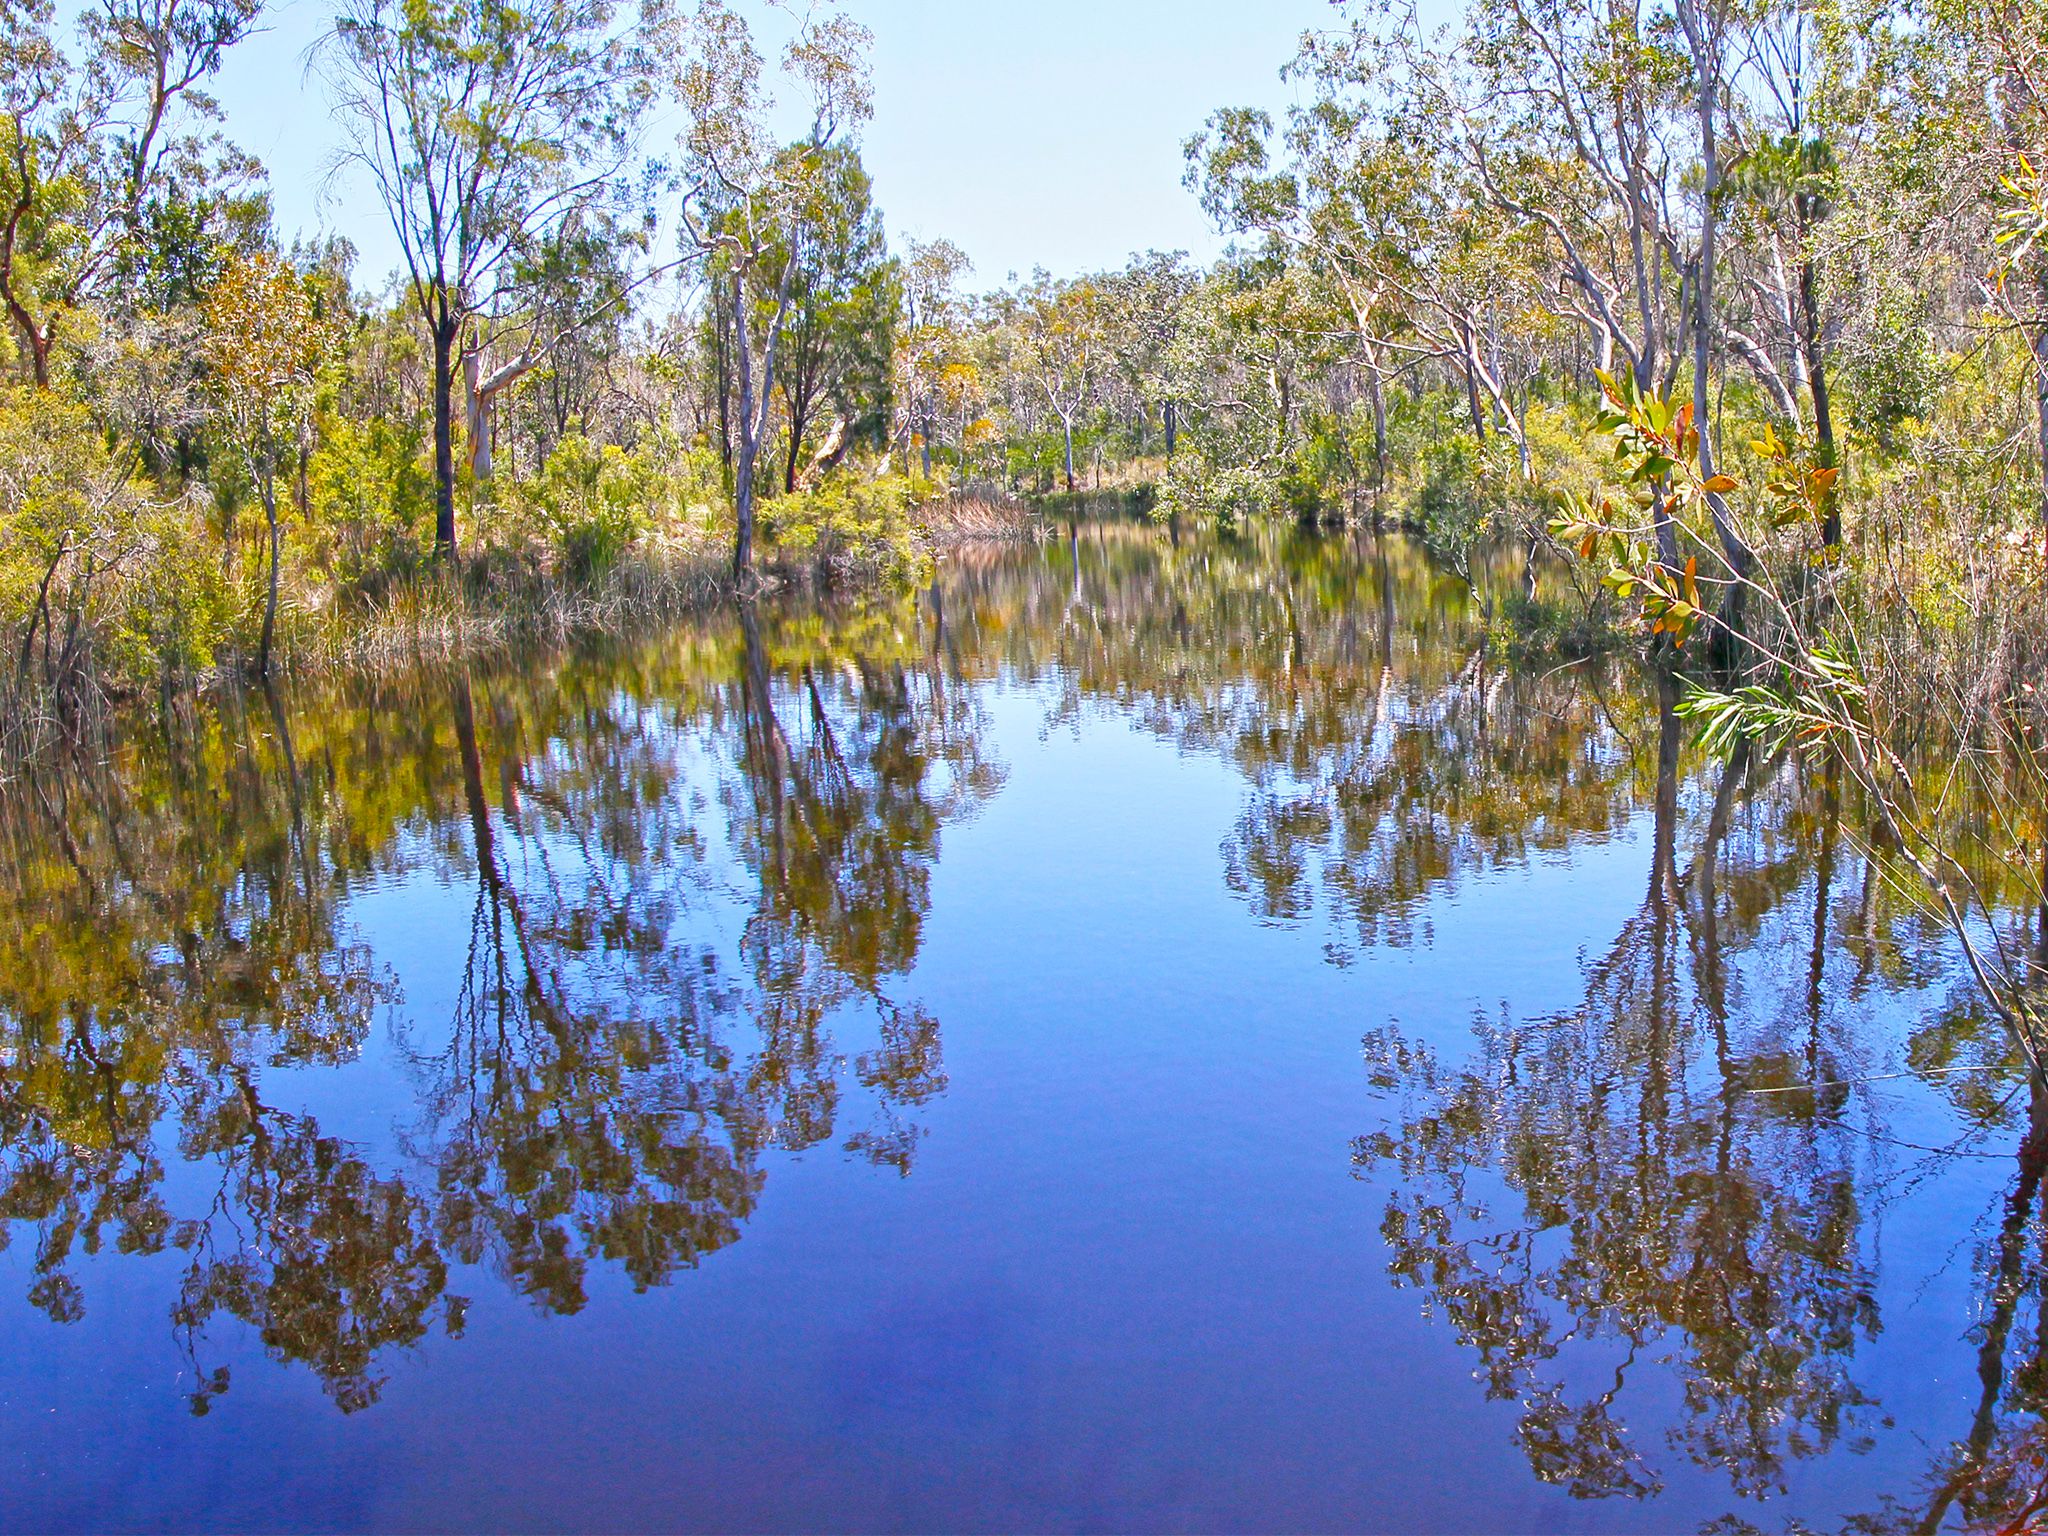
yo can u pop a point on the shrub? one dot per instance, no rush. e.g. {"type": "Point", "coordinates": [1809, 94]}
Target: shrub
{"type": "Point", "coordinates": [853, 523]}
{"type": "Point", "coordinates": [370, 498]}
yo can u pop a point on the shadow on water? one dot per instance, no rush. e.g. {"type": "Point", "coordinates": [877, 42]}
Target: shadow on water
{"type": "Point", "coordinates": [680, 886]}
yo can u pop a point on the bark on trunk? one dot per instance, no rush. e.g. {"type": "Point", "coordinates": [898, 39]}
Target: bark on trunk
{"type": "Point", "coordinates": [38, 351]}
{"type": "Point", "coordinates": [722, 365]}
{"type": "Point", "coordinates": [444, 436]}
{"type": "Point", "coordinates": [1705, 44]}
{"type": "Point", "coordinates": [755, 398]}
{"type": "Point", "coordinates": [2040, 341]}
{"type": "Point", "coordinates": [479, 419]}
{"type": "Point", "coordinates": [743, 459]}
{"type": "Point", "coordinates": [1817, 386]}
{"type": "Point", "coordinates": [270, 600]}
{"type": "Point", "coordinates": [798, 423]}
{"type": "Point", "coordinates": [1378, 399]}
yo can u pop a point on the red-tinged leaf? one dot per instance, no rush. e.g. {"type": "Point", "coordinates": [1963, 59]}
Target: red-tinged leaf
{"type": "Point", "coordinates": [1824, 479]}
{"type": "Point", "coordinates": [1586, 547]}
{"type": "Point", "coordinates": [1721, 483]}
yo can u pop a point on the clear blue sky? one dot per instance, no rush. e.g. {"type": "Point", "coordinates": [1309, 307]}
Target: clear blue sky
{"type": "Point", "coordinates": [1036, 132]}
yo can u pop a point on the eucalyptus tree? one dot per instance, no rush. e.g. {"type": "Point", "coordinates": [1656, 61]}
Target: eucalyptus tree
{"type": "Point", "coordinates": [1599, 123]}
{"type": "Point", "coordinates": [1708, 27]}
{"type": "Point", "coordinates": [86, 147]}
{"type": "Point", "coordinates": [1063, 349]}
{"type": "Point", "coordinates": [485, 126]}
{"type": "Point", "coordinates": [928, 342]}
{"type": "Point", "coordinates": [560, 308]}
{"type": "Point", "coordinates": [1800, 106]}
{"type": "Point", "coordinates": [71, 512]}
{"type": "Point", "coordinates": [1569, 116]}
{"type": "Point", "coordinates": [1340, 199]}
{"type": "Point", "coordinates": [744, 193]}
{"type": "Point", "coordinates": [1374, 195]}
{"type": "Point", "coordinates": [961, 398]}
{"type": "Point", "coordinates": [1146, 303]}
{"type": "Point", "coordinates": [1241, 362]}
{"type": "Point", "coordinates": [839, 334]}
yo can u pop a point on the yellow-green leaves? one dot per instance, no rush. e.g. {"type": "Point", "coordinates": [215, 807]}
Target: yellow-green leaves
{"type": "Point", "coordinates": [264, 341]}
{"type": "Point", "coordinates": [262, 332]}
{"type": "Point", "coordinates": [2022, 217]}
{"type": "Point", "coordinates": [1656, 446]}
{"type": "Point", "coordinates": [1657, 452]}
{"type": "Point", "coordinates": [1795, 490]}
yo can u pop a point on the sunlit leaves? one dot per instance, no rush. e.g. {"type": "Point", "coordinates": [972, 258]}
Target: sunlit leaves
{"type": "Point", "coordinates": [264, 342]}
{"type": "Point", "coordinates": [2022, 219]}
{"type": "Point", "coordinates": [1809, 716]}
{"type": "Point", "coordinates": [1656, 457]}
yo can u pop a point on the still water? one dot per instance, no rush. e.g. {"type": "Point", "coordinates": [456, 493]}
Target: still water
{"type": "Point", "coordinates": [1142, 1035]}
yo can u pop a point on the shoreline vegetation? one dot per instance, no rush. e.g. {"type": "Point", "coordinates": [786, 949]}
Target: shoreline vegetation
{"type": "Point", "coordinates": [491, 608]}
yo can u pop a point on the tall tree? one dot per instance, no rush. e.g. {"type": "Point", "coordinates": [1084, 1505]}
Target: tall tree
{"type": "Point", "coordinates": [1064, 350]}
{"type": "Point", "coordinates": [1705, 25]}
{"type": "Point", "coordinates": [561, 306]}
{"type": "Point", "coordinates": [742, 192]}
{"type": "Point", "coordinates": [485, 125]}
{"type": "Point", "coordinates": [928, 341]}
{"type": "Point", "coordinates": [839, 333]}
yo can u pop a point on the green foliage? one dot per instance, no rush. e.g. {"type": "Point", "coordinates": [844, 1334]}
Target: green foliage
{"type": "Point", "coordinates": [1135, 501]}
{"type": "Point", "coordinates": [1450, 506]}
{"type": "Point", "coordinates": [183, 612]}
{"type": "Point", "coordinates": [591, 500]}
{"type": "Point", "coordinates": [370, 495]}
{"type": "Point", "coordinates": [852, 524]}
{"type": "Point", "coordinates": [97, 578]}
{"type": "Point", "coordinates": [1228, 496]}
{"type": "Point", "coordinates": [1894, 375]}
{"type": "Point", "coordinates": [1809, 714]}
{"type": "Point", "coordinates": [1544, 627]}
{"type": "Point", "coordinates": [1661, 494]}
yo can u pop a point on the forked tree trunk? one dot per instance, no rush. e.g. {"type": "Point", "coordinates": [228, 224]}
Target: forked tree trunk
{"type": "Point", "coordinates": [480, 417]}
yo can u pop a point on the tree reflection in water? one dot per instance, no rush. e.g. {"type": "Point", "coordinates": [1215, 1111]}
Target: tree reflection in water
{"type": "Point", "coordinates": [1676, 1178]}
{"type": "Point", "coordinates": [1668, 1211]}
{"type": "Point", "coordinates": [1672, 1176]}
{"type": "Point", "coordinates": [694, 877]}
{"type": "Point", "coordinates": [174, 933]}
